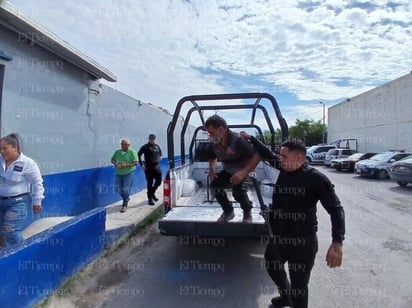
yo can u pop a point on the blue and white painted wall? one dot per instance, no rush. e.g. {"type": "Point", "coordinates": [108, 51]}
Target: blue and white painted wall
{"type": "Point", "coordinates": [70, 124]}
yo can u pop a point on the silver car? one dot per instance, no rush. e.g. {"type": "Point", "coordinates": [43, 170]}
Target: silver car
{"type": "Point", "coordinates": [378, 165]}
{"type": "Point", "coordinates": [401, 171]}
{"type": "Point", "coordinates": [336, 154]}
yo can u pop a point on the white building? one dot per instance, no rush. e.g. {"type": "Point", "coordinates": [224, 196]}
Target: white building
{"type": "Point", "coordinates": [381, 118]}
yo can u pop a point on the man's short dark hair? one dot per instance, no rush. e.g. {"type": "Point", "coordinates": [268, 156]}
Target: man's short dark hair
{"type": "Point", "coordinates": [216, 121]}
{"type": "Point", "coordinates": [295, 145]}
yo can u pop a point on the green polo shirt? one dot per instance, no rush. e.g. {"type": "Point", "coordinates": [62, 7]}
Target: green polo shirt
{"type": "Point", "coordinates": [125, 157]}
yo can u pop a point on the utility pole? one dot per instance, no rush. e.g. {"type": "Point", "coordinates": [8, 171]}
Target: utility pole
{"type": "Point", "coordinates": [323, 130]}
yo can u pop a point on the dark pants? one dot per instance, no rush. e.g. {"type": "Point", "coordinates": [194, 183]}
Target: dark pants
{"type": "Point", "coordinates": [300, 254]}
{"type": "Point", "coordinates": [153, 175]}
{"type": "Point", "coordinates": [239, 191]}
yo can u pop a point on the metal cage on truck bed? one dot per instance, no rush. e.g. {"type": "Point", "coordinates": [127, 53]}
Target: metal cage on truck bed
{"type": "Point", "coordinates": [189, 205]}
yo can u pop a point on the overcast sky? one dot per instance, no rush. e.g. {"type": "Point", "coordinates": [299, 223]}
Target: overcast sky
{"type": "Point", "coordinates": [301, 52]}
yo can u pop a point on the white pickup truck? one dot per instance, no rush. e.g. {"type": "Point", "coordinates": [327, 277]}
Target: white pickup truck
{"type": "Point", "coordinates": [190, 207]}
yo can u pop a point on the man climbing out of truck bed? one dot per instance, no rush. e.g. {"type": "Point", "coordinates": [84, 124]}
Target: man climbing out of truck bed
{"type": "Point", "coordinates": [238, 158]}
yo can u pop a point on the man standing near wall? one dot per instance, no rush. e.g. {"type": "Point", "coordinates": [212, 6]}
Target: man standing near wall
{"type": "Point", "coordinates": [125, 161]}
{"type": "Point", "coordinates": [152, 155]}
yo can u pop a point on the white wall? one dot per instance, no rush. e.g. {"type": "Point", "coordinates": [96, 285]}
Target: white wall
{"type": "Point", "coordinates": [381, 119]}
{"type": "Point", "coordinates": [66, 120]}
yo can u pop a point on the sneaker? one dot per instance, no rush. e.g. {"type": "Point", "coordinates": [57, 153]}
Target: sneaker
{"type": "Point", "coordinates": [225, 217]}
{"type": "Point", "coordinates": [247, 217]}
{"type": "Point", "coordinates": [125, 202]}
{"type": "Point", "coordinates": [280, 301]}
{"type": "Point", "coordinates": [151, 202]}
{"type": "Point", "coordinates": [155, 198]}
{"type": "Point", "coordinates": [124, 209]}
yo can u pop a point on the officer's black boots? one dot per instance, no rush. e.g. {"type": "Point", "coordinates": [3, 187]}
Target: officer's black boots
{"type": "Point", "coordinates": [280, 301]}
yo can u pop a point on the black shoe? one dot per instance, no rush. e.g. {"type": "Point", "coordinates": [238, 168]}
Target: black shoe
{"type": "Point", "coordinates": [151, 202]}
{"type": "Point", "coordinates": [155, 198]}
{"type": "Point", "coordinates": [247, 217]}
{"type": "Point", "coordinates": [280, 301]}
{"type": "Point", "coordinates": [124, 209]}
{"type": "Point", "coordinates": [225, 217]}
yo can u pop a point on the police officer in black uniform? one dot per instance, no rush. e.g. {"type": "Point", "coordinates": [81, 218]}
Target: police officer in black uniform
{"type": "Point", "coordinates": [293, 219]}
{"type": "Point", "coordinates": [152, 155]}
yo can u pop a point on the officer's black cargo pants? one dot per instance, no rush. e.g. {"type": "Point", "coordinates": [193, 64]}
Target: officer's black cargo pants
{"type": "Point", "coordinates": [300, 254]}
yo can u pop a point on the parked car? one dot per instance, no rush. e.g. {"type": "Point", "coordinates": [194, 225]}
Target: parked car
{"type": "Point", "coordinates": [316, 153]}
{"type": "Point", "coordinates": [401, 171]}
{"type": "Point", "coordinates": [348, 163]}
{"type": "Point", "coordinates": [378, 165]}
{"type": "Point", "coordinates": [335, 154]}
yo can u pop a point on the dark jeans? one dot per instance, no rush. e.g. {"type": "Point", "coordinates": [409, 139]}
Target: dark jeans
{"type": "Point", "coordinates": [239, 191]}
{"type": "Point", "coordinates": [300, 254]}
{"type": "Point", "coordinates": [153, 175]}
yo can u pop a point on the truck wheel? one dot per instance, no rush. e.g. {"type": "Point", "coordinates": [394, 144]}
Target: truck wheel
{"type": "Point", "coordinates": [403, 184]}
{"type": "Point", "coordinates": [381, 174]}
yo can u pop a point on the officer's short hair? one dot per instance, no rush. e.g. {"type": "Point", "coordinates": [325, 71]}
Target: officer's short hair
{"type": "Point", "coordinates": [295, 145]}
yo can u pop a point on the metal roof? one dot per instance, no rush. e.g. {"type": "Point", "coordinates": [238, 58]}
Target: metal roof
{"type": "Point", "coordinates": [14, 20]}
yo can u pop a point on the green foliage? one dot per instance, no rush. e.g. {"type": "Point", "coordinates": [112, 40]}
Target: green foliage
{"type": "Point", "coordinates": [309, 131]}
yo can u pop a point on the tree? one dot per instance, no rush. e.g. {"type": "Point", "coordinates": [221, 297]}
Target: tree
{"type": "Point", "coordinates": [309, 131]}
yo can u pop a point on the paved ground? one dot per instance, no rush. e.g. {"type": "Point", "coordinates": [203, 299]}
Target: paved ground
{"type": "Point", "coordinates": [123, 223]}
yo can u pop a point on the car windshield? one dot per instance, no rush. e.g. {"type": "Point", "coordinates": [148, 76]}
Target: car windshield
{"type": "Point", "coordinates": [312, 148]}
{"type": "Point", "coordinates": [407, 159]}
{"type": "Point", "coordinates": [382, 156]}
{"type": "Point", "coordinates": [356, 155]}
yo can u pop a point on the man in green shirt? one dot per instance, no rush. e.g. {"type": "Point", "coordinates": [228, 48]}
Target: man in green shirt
{"type": "Point", "coordinates": [125, 161]}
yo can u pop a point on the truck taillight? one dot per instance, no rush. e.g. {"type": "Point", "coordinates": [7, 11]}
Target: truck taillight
{"type": "Point", "coordinates": [166, 195]}
{"type": "Point", "coordinates": [166, 185]}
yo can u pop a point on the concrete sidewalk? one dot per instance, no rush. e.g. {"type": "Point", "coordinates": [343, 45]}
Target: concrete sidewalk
{"type": "Point", "coordinates": [120, 225]}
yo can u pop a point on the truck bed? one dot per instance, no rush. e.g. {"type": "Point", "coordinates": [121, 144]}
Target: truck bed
{"type": "Point", "coordinates": [196, 215]}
